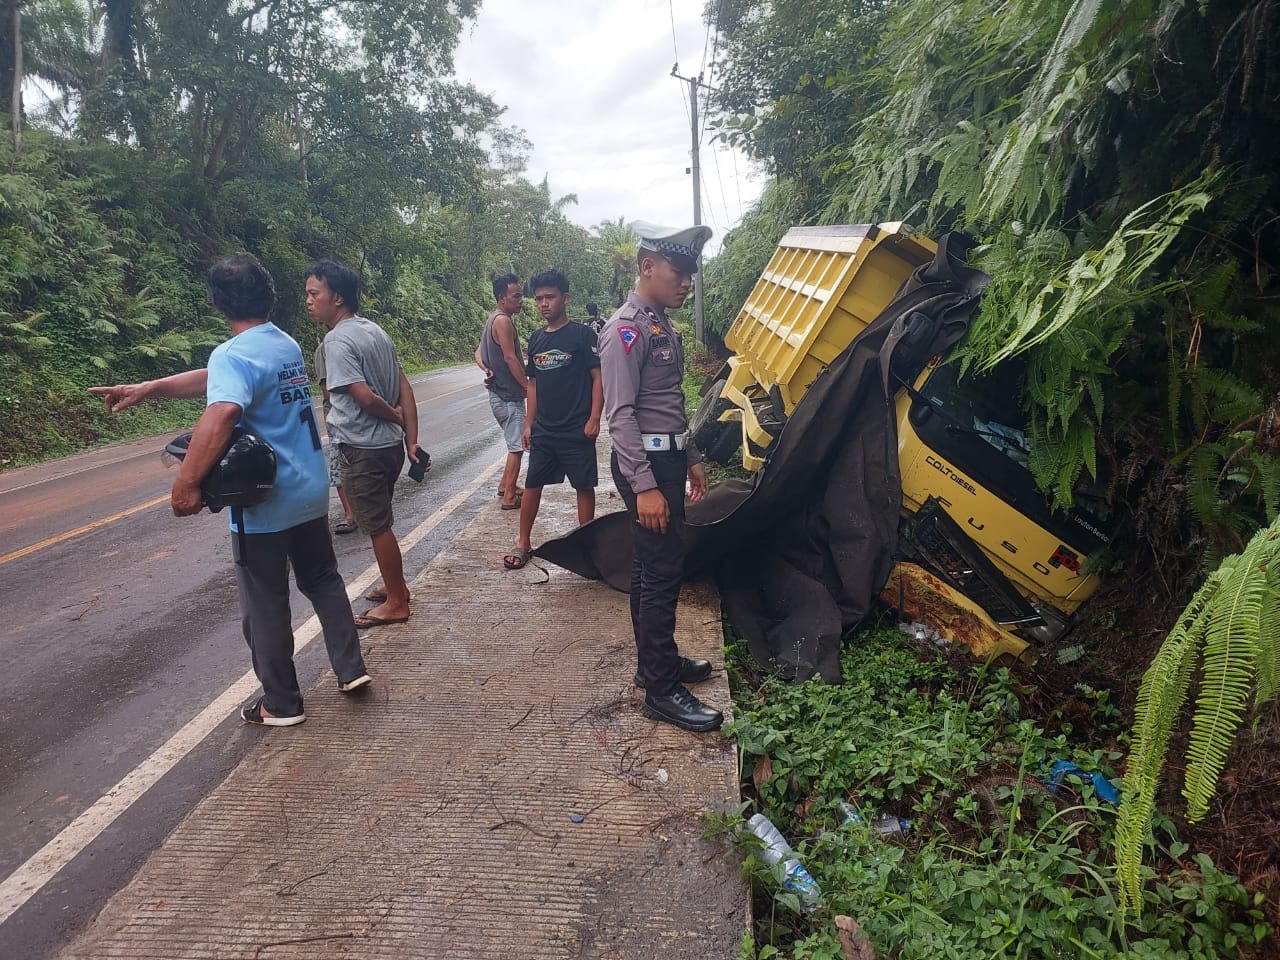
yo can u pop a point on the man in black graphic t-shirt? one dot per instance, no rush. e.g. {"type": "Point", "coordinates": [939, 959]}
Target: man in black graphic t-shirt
{"type": "Point", "coordinates": [564, 401]}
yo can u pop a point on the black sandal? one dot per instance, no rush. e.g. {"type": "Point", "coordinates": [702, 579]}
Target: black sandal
{"type": "Point", "coordinates": [252, 713]}
{"type": "Point", "coordinates": [517, 559]}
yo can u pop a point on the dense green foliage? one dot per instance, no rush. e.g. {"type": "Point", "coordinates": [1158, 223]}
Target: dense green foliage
{"type": "Point", "coordinates": [996, 863]}
{"type": "Point", "coordinates": [1115, 161]}
{"type": "Point", "coordinates": [173, 133]}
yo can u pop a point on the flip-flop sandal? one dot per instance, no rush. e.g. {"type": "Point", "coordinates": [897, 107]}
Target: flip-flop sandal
{"type": "Point", "coordinates": [345, 526]}
{"type": "Point", "coordinates": [516, 505]}
{"type": "Point", "coordinates": [517, 560]}
{"type": "Point", "coordinates": [365, 620]}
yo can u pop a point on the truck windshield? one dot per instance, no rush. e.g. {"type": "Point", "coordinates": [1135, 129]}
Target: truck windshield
{"type": "Point", "coordinates": [977, 422]}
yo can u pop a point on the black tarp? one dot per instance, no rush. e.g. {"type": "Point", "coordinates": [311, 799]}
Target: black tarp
{"type": "Point", "coordinates": [801, 551]}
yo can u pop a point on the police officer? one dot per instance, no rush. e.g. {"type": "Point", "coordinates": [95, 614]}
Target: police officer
{"type": "Point", "coordinates": [642, 366]}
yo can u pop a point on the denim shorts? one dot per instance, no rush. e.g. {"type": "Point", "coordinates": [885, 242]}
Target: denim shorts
{"type": "Point", "coordinates": [510, 417]}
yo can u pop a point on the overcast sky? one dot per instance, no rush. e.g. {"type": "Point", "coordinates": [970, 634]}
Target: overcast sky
{"type": "Point", "coordinates": [588, 82]}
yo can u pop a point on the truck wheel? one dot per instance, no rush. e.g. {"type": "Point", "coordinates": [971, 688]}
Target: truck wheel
{"type": "Point", "coordinates": [717, 441]}
{"type": "Point", "coordinates": [705, 426]}
{"type": "Point", "coordinates": [725, 444]}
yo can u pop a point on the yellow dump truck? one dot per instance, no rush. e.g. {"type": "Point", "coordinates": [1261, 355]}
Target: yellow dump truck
{"type": "Point", "coordinates": [986, 560]}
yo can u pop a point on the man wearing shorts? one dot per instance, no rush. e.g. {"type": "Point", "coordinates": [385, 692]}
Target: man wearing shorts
{"type": "Point", "coordinates": [564, 403]}
{"type": "Point", "coordinates": [499, 357]}
{"type": "Point", "coordinates": [348, 522]}
{"type": "Point", "coordinates": [374, 421]}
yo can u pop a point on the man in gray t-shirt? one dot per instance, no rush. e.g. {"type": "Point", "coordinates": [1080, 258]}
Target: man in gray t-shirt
{"type": "Point", "coordinates": [348, 522]}
{"type": "Point", "coordinates": [374, 421]}
{"type": "Point", "coordinates": [358, 350]}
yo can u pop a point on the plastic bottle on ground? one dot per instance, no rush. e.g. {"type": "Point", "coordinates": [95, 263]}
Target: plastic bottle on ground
{"type": "Point", "coordinates": [777, 853]}
{"type": "Point", "coordinates": [885, 824]}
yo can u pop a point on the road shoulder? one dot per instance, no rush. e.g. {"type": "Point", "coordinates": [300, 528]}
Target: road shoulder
{"type": "Point", "coordinates": [496, 791]}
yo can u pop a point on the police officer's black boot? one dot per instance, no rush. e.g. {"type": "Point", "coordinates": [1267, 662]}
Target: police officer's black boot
{"type": "Point", "coordinates": [691, 671]}
{"type": "Point", "coordinates": [682, 709]}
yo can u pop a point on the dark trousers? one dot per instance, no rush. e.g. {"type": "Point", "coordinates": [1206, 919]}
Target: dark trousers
{"type": "Point", "coordinates": [265, 614]}
{"type": "Point", "coordinates": [656, 574]}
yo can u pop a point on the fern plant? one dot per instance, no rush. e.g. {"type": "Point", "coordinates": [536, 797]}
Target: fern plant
{"type": "Point", "coordinates": [1070, 306]}
{"type": "Point", "coordinates": [1222, 412]}
{"type": "Point", "coordinates": [1230, 631]}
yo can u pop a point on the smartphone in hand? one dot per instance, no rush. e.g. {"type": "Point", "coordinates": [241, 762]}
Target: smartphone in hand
{"type": "Point", "coordinates": [419, 470]}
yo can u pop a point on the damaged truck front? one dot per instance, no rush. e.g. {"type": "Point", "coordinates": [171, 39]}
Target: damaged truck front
{"type": "Point", "coordinates": [982, 557]}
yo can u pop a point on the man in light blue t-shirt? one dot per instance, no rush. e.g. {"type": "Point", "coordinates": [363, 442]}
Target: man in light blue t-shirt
{"type": "Point", "coordinates": [258, 380]}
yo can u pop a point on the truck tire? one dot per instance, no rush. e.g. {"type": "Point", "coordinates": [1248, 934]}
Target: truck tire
{"type": "Point", "coordinates": [725, 444]}
{"type": "Point", "coordinates": [717, 441]}
{"type": "Point", "coordinates": [704, 425]}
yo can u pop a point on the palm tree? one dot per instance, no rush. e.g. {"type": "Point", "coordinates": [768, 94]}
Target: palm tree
{"type": "Point", "coordinates": [620, 245]}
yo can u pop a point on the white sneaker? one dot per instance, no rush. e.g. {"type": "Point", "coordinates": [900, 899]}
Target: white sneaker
{"type": "Point", "coordinates": [351, 685]}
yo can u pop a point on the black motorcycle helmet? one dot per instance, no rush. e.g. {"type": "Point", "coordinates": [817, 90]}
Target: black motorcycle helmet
{"type": "Point", "coordinates": [244, 475]}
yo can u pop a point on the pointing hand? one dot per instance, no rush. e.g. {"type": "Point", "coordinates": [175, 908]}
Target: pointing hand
{"type": "Point", "coordinates": [122, 396]}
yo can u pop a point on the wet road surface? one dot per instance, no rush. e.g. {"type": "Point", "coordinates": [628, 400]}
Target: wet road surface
{"type": "Point", "coordinates": [119, 622]}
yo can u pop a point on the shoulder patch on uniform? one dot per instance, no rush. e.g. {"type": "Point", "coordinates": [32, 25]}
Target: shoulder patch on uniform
{"type": "Point", "coordinates": [628, 335]}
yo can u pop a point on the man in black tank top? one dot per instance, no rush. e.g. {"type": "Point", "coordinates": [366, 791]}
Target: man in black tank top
{"type": "Point", "coordinates": [499, 357]}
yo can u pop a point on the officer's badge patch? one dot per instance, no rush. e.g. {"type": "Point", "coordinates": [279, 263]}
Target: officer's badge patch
{"type": "Point", "coordinates": [629, 336]}
{"type": "Point", "coordinates": [655, 329]}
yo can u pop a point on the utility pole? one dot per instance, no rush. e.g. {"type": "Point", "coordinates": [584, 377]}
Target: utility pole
{"type": "Point", "coordinates": [696, 170]}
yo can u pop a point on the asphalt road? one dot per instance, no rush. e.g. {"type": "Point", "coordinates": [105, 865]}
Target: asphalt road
{"type": "Point", "coordinates": [119, 622]}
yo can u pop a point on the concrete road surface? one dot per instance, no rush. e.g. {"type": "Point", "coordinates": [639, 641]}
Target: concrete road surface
{"type": "Point", "coordinates": [119, 623]}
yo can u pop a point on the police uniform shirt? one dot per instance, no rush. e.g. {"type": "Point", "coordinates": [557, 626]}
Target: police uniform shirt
{"type": "Point", "coordinates": [642, 369]}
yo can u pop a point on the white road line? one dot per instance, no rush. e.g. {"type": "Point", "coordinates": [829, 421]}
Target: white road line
{"type": "Point", "coordinates": [28, 879]}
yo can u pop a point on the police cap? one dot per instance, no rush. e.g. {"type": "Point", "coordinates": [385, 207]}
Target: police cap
{"type": "Point", "coordinates": [680, 246]}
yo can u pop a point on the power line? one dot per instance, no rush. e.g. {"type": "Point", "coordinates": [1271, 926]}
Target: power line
{"type": "Point", "coordinates": [715, 156]}
{"type": "Point", "coordinates": [684, 98]}
{"type": "Point", "coordinates": [710, 65]}
{"type": "Point", "coordinates": [713, 28]}
{"type": "Point", "coordinates": [711, 207]}
{"type": "Point", "coordinates": [675, 49]}
{"type": "Point", "coordinates": [737, 181]}
{"type": "Point", "coordinates": [706, 42]}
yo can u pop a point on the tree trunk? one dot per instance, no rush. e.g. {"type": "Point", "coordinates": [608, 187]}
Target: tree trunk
{"type": "Point", "coordinates": [6, 47]}
{"type": "Point", "coordinates": [117, 41]}
{"type": "Point", "coordinates": [15, 103]}
{"type": "Point", "coordinates": [198, 128]}
{"type": "Point", "coordinates": [301, 133]}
